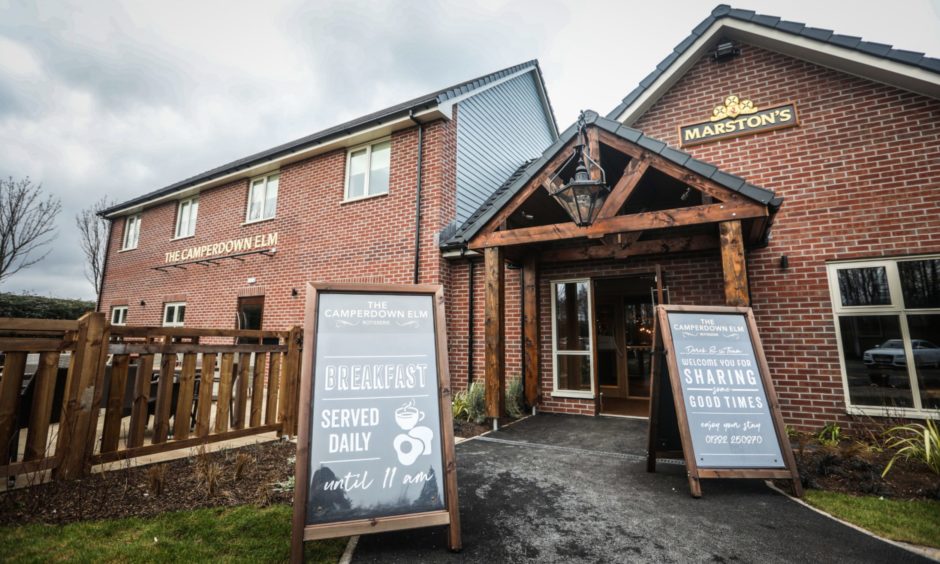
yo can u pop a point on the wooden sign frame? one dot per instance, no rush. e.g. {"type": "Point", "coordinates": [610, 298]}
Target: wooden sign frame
{"type": "Point", "coordinates": [663, 341]}
{"type": "Point", "coordinates": [450, 515]}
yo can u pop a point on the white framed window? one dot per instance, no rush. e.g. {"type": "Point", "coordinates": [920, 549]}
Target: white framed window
{"type": "Point", "coordinates": [186, 215]}
{"type": "Point", "coordinates": [174, 314]}
{"type": "Point", "coordinates": [119, 315]}
{"type": "Point", "coordinates": [887, 319]}
{"type": "Point", "coordinates": [262, 197]}
{"type": "Point", "coordinates": [131, 232]}
{"type": "Point", "coordinates": [572, 338]}
{"type": "Point", "coordinates": [367, 170]}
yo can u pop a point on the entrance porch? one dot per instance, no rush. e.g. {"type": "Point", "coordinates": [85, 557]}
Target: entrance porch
{"type": "Point", "coordinates": [663, 206]}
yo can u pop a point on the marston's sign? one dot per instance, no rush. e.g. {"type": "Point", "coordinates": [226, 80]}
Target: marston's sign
{"type": "Point", "coordinates": [738, 117]}
{"type": "Point", "coordinates": [240, 245]}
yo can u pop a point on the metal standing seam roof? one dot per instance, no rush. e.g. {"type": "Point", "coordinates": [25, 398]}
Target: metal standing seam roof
{"type": "Point", "coordinates": [888, 52]}
{"type": "Point", "coordinates": [530, 169]}
{"type": "Point", "coordinates": [375, 118]}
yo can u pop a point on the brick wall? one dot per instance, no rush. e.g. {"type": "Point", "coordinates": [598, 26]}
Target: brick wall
{"type": "Point", "coordinates": [320, 237]}
{"type": "Point", "coordinates": [860, 177]}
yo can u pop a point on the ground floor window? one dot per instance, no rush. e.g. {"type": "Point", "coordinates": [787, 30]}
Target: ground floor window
{"type": "Point", "coordinates": [119, 315]}
{"type": "Point", "coordinates": [887, 315]}
{"type": "Point", "coordinates": [572, 338]}
{"type": "Point", "coordinates": [174, 314]}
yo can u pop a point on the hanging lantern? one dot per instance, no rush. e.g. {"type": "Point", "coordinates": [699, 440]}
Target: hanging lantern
{"type": "Point", "coordinates": [583, 196]}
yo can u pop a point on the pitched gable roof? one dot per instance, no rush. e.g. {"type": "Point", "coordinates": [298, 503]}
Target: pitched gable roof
{"type": "Point", "coordinates": [876, 61]}
{"type": "Point", "coordinates": [529, 170]}
{"type": "Point", "coordinates": [438, 99]}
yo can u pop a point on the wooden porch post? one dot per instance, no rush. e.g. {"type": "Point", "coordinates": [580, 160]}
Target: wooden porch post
{"type": "Point", "coordinates": [733, 263]}
{"type": "Point", "coordinates": [495, 326]}
{"type": "Point", "coordinates": [531, 329]}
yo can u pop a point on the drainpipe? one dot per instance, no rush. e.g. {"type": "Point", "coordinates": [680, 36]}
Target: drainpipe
{"type": "Point", "coordinates": [418, 197]}
{"type": "Point", "coordinates": [522, 330]}
{"type": "Point", "coordinates": [470, 329]}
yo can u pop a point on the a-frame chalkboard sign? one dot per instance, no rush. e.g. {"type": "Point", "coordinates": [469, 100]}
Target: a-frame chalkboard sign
{"type": "Point", "coordinates": [710, 361]}
{"type": "Point", "coordinates": [375, 446]}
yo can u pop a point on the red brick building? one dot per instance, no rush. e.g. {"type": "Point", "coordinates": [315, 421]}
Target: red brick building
{"type": "Point", "coordinates": [823, 159]}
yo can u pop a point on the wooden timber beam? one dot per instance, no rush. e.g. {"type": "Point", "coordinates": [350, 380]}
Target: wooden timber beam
{"type": "Point", "coordinates": [495, 329]}
{"type": "Point", "coordinates": [594, 151]}
{"type": "Point", "coordinates": [693, 215]}
{"type": "Point", "coordinates": [530, 331]}
{"type": "Point", "coordinates": [733, 264]}
{"type": "Point", "coordinates": [670, 168]}
{"type": "Point", "coordinates": [539, 181]}
{"type": "Point", "coordinates": [624, 187]}
{"type": "Point", "coordinates": [594, 252]}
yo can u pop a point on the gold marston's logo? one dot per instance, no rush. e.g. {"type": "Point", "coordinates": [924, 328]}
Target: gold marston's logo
{"type": "Point", "coordinates": [738, 117]}
{"type": "Point", "coordinates": [232, 246]}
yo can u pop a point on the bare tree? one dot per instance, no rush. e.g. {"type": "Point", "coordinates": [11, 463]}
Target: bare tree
{"type": "Point", "coordinates": [27, 224]}
{"type": "Point", "coordinates": [93, 233]}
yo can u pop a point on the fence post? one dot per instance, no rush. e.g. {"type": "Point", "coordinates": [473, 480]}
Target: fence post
{"type": "Point", "coordinates": [83, 394]}
{"type": "Point", "coordinates": [289, 425]}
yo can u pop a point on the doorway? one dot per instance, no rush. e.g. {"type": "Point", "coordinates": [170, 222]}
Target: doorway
{"type": "Point", "coordinates": [623, 315]}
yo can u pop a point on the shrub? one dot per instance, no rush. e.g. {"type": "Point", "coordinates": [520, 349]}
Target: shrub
{"type": "Point", "coordinates": [915, 441]}
{"type": "Point", "coordinates": [470, 405]}
{"type": "Point", "coordinates": [515, 407]}
{"type": "Point", "coordinates": [830, 435]}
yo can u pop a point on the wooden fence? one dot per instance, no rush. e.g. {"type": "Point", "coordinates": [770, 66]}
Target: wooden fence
{"type": "Point", "coordinates": [85, 392]}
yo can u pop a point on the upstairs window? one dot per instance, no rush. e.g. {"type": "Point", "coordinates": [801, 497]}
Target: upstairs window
{"type": "Point", "coordinates": [186, 217]}
{"type": "Point", "coordinates": [119, 315]}
{"type": "Point", "coordinates": [367, 170]}
{"type": "Point", "coordinates": [262, 198]}
{"type": "Point", "coordinates": [131, 232]}
{"type": "Point", "coordinates": [174, 314]}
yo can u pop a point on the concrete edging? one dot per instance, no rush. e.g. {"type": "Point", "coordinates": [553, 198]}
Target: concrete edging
{"type": "Point", "coordinates": [926, 552]}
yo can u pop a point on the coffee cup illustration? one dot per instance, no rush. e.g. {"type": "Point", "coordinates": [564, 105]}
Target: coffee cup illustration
{"type": "Point", "coordinates": [407, 416]}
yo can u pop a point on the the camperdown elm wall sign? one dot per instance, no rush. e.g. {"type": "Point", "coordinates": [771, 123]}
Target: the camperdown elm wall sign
{"type": "Point", "coordinates": [376, 442]}
{"type": "Point", "coordinates": [736, 117]}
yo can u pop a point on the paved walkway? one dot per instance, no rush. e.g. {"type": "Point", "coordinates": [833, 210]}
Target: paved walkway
{"type": "Point", "coordinates": [575, 489]}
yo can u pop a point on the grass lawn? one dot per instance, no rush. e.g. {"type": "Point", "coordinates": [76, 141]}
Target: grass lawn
{"type": "Point", "coordinates": [231, 534]}
{"type": "Point", "coordinates": [916, 522]}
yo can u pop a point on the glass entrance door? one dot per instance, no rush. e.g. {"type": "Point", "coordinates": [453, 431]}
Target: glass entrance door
{"type": "Point", "coordinates": [624, 314]}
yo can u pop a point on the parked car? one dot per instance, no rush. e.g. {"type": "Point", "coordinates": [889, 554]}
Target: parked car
{"type": "Point", "coordinates": [891, 354]}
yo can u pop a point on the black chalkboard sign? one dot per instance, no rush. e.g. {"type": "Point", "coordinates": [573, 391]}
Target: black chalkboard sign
{"type": "Point", "coordinates": [375, 445]}
{"type": "Point", "coordinates": [722, 395]}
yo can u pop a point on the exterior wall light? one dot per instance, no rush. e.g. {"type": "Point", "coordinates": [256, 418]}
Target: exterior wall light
{"type": "Point", "coordinates": [725, 51]}
{"type": "Point", "coordinates": [583, 196]}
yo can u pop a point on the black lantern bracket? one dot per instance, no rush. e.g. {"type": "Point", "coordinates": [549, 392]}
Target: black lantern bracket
{"type": "Point", "coordinates": [584, 195]}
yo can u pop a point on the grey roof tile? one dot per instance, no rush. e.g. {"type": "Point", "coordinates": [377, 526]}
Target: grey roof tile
{"type": "Point", "coordinates": [420, 103]}
{"type": "Point", "coordinates": [816, 33]}
{"type": "Point", "coordinates": [676, 156]}
{"type": "Point", "coordinates": [728, 180]}
{"type": "Point", "coordinates": [630, 134]}
{"type": "Point", "coordinates": [651, 144]}
{"type": "Point", "coordinates": [701, 168]}
{"type": "Point", "coordinates": [650, 78]}
{"type": "Point", "coordinates": [795, 28]}
{"type": "Point", "coordinates": [849, 41]}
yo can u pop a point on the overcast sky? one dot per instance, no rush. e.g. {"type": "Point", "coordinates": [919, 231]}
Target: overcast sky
{"type": "Point", "coordinates": [121, 98]}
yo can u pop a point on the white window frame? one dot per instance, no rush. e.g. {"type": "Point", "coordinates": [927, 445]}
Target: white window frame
{"type": "Point", "coordinates": [368, 147]}
{"type": "Point", "coordinates": [589, 353]}
{"type": "Point", "coordinates": [126, 243]}
{"type": "Point", "coordinates": [193, 216]}
{"type": "Point", "coordinates": [176, 321]}
{"type": "Point", "coordinates": [896, 308]}
{"type": "Point", "coordinates": [251, 188]}
{"type": "Point", "coordinates": [122, 315]}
